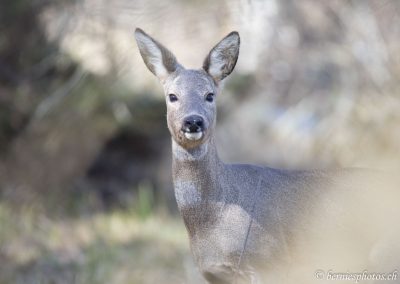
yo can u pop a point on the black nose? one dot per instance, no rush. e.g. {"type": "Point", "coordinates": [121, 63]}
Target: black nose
{"type": "Point", "coordinates": [193, 123]}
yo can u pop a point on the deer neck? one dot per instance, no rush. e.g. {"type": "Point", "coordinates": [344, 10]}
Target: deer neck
{"type": "Point", "coordinates": [196, 175]}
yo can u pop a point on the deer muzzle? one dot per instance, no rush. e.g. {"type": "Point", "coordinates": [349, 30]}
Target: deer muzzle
{"type": "Point", "coordinates": [193, 127]}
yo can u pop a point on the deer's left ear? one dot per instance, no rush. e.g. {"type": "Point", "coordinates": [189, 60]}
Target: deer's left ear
{"type": "Point", "coordinates": [222, 59]}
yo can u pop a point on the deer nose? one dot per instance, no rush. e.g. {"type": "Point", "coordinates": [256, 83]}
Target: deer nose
{"type": "Point", "coordinates": [193, 123]}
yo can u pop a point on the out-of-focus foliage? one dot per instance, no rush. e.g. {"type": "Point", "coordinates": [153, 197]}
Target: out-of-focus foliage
{"type": "Point", "coordinates": [105, 248]}
{"type": "Point", "coordinates": [83, 132]}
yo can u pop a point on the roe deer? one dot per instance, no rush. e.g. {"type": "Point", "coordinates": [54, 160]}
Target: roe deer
{"type": "Point", "coordinates": [246, 221]}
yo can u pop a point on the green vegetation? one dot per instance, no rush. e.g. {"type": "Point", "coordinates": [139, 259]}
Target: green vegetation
{"type": "Point", "coordinates": [117, 247]}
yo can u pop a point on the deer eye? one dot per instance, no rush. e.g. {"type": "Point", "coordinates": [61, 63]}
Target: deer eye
{"type": "Point", "coordinates": [210, 97]}
{"type": "Point", "coordinates": [172, 98]}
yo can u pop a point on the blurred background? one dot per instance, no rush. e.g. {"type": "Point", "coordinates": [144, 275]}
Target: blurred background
{"type": "Point", "coordinates": [85, 180]}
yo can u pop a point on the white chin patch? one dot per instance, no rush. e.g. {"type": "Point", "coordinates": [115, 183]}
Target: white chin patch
{"type": "Point", "coordinates": [193, 136]}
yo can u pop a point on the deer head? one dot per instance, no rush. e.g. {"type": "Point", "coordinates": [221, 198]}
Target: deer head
{"type": "Point", "coordinates": [190, 94]}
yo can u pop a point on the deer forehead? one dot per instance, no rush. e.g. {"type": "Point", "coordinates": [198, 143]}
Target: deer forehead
{"type": "Point", "coordinates": [190, 82]}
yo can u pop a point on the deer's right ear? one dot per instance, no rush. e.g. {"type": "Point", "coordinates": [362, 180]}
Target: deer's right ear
{"type": "Point", "coordinates": [160, 61]}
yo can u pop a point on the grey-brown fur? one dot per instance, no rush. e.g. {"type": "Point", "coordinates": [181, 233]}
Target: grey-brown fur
{"type": "Point", "coordinates": [240, 218]}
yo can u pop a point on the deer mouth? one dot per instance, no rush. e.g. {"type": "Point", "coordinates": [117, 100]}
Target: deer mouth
{"type": "Point", "coordinates": [193, 127]}
{"type": "Point", "coordinates": [194, 135]}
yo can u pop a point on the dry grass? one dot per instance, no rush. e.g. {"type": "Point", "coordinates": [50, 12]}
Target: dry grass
{"type": "Point", "coordinates": [117, 247]}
